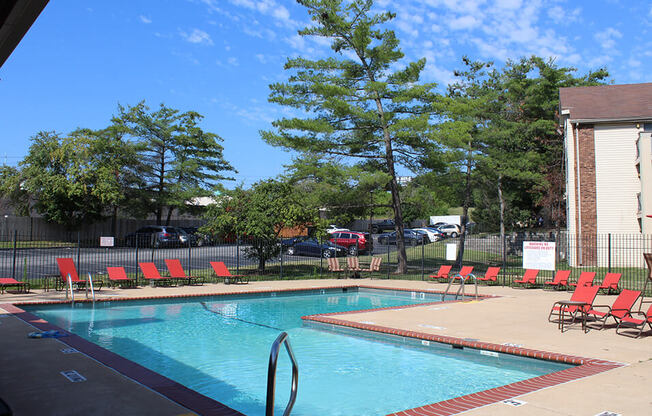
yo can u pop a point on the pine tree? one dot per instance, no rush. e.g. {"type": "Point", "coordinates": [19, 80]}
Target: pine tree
{"type": "Point", "coordinates": [355, 105]}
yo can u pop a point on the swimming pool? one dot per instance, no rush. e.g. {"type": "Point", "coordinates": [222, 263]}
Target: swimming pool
{"type": "Point", "coordinates": [219, 346]}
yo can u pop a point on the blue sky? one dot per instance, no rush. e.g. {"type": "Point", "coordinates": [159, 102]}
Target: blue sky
{"type": "Point", "coordinates": [217, 57]}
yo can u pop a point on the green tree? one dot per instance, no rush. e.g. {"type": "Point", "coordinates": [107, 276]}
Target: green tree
{"type": "Point", "coordinates": [178, 160]}
{"type": "Point", "coordinates": [13, 191]}
{"type": "Point", "coordinates": [259, 214]}
{"type": "Point", "coordinates": [65, 180]}
{"type": "Point", "coordinates": [355, 104]}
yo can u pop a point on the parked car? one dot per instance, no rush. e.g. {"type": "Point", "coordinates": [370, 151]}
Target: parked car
{"type": "Point", "coordinates": [354, 242]}
{"type": "Point", "coordinates": [450, 230]}
{"type": "Point", "coordinates": [312, 247]}
{"type": "Point", "coordinates": [156, 236]}
{"type": "Point", "coordinates": [411, 237]}
{"type": "Point", "coordinates": [432, 233]}
{"type": "Point", "coordinates": [196, 238]}
{"type": "Point", "coordinates": [334, 228]}
{"type": "Point", "coordinates": [382, 226]}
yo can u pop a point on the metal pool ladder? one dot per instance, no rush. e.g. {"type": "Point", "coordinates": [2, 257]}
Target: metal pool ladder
{"type": "Point", "coordinates": [271, 375]}
{"type": "Point", "coordinates": [461, 288]}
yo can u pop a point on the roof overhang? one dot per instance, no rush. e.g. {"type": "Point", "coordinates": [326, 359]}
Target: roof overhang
{"type": "Point", "coordinates": [16, 17]}
{"type": "Point", "coordinates": [610, 120]}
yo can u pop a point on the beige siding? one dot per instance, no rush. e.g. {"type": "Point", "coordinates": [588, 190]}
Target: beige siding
{"type": "Point", "coordinates": [617, 183]}
{"type": "Point", "coordinates": [570, 177]}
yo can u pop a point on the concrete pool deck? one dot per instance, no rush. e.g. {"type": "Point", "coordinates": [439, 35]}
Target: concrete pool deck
{"type": "Point", "coordinates": [513, 316]}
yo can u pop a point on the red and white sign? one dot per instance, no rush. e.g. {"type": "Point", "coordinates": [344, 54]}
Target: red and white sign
{"type": "Point", "coordinates": [107, 241]}
{"type": "Point", "coordinates": [539, 255]}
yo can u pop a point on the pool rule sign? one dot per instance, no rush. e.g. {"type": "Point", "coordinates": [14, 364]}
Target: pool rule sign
{"type": "Point", "coordinates": [539, 255]}
{"type": "Point", "coordinates": [107, 241]}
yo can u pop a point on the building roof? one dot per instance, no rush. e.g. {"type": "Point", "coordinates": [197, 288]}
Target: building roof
{"type": "Point", "coordinates": [16, 17]}
{"type": "Point", "coordinates": [627, 102]}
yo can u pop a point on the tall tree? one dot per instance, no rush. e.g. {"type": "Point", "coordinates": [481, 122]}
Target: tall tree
{"type": "Point", "coordinates": [260, 213]}
{"type": "Point", "coordinates": [178, 160]}
{"type": "Point", "coordinates": [66, 178]}
{"type": "Point", "coordinates": [356, 104]}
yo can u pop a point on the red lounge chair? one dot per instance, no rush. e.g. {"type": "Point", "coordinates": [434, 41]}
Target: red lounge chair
{"type": "Point", "coordinates": [529, 278]}
{"type": "Point", "coordinates": [222, 271]}
{"type": "Point", "coordinates": [464, 273]}
{"type": "Point", "coordinates": [443, 272]}
{"type": "Point", "coordinates": [150, 272]}
{"type": "Point", "coordinates": [610, 282]}
{"type": "Point", "coordinates": [177, 272]}
{"type": "Point", "coordinates": [584, 294]}
{"type": "Point", "coordinates": [586, 279]}
{"type": "Point", "coordinates": [560, 280]}
{"type": "Point", "coordinates": [118, 277]}
{"type": "Point", "coordinates": [491, 275]}
{"type": "Point", "coordinates": [67, 268]}
{"type": "Point", "coordinates": [630, 322]}
{"type": "Point", "coordinates": [621, 307]}
{"type": "Point", "coordinates": [6, 282]}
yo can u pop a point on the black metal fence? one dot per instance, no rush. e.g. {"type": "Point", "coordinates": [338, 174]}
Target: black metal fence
{"type": "Point", "coordinates": [32, 259]}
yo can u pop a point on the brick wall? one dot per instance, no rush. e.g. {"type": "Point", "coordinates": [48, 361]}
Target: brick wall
{"type": "Point", "coordinates": [587, 195]}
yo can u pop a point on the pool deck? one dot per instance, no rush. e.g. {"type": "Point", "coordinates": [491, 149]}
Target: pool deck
{"type": "Point", "coordinates": [31, 383]}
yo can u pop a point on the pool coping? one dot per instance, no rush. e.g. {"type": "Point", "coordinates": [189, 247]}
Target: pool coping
{"type": "Point", "coordinates": [204, 405]}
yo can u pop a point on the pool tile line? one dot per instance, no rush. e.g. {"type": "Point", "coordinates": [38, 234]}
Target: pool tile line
{"type": "Point", "coordinates": [168, 388]}
{"type": "Point", "coordinates": [585, 367]}
{"type": "Point", "coordinates": [244, 292]}
{"type": "Point", "coordinates": [188, 295]}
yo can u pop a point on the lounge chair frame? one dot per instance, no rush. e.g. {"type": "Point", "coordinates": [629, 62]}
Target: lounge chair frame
{"type": "Point", "coordinates": [6, 282]}
{"type": "Point", "coordinates": [222, 271]}
{"type": "Point", "coordinates": [636, 321]}
{"type": "Point", "coordinates": [560, 281]}
{"type": "Point", "coordinates": [621, 307]}
{"type": "Point", "coordinates": [442, 273]}
{"type": "Point", "coordinates": [176, 272]}
{"type": "Point", "coordinates": [118, 277]}
{"type": "Point", "coordinates": [529, 279]}
{"type": "Point", "coordinates": [491, 275]}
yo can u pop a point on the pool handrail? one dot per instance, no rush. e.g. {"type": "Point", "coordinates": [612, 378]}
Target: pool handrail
{"type": "Point", "coordinates": [271, 375]}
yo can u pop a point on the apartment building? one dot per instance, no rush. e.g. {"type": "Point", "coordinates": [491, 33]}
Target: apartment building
{"type": "Point", "coordinates": [608, 145]}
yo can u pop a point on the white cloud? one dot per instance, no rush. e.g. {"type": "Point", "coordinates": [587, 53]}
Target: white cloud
{"type": "Point", "coordinates": [145, 19]}
{"type": "Point", "coordinates": [197, 36]}
{"type": "Point", "coordinates": [462, 23]}
{"type": "Point", "coordinates": [265, 7]}
{"type": "Point", "coordinates": [261, 58]}
{"type": "Point", "coordinates": [233, 61]}
{"type": "Point", "coordinates": [607, 38]}
{"type": "Point", "coordinates": [509, 4]}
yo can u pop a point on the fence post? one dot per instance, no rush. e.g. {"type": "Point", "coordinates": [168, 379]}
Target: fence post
{"type": "Point", "coordinates": [389, 265]}
{"type": "Point", "coordinates": [189, 255]}
{"type": "Point", "coordinates": [423, 254]}
{"type": "Point", "coordinates": [321, 255]}
{"type": "Point", "coordinates": [13, 270]}
{"type": "Point", "coordinates": [503, 257]}
{"type": "Point", "coordinates": [78, 252]}
{"type": "Point", "coordinates": [137, 267]}
{"type": "Point", "coordinates": [609, 253]}
{"type": "Point", "coordinates": [280, 244]}
{"type": "Point", "coordinates": [237, 254]}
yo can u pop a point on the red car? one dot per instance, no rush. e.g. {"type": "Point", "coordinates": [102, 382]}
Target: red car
{"type": "Point", "coordinates": [354, 242]}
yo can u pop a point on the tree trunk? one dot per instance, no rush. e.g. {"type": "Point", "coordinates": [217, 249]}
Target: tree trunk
{"type": "Point", "coordinates": [169, 216]}
{"type": "Point", "coordinates": [114, 221]}
{"type": "Point", "coordinates": [396, 197]}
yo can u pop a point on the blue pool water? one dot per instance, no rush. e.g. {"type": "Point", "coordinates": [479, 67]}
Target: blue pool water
{"type": "Point", "coordinates": [219, 346]}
